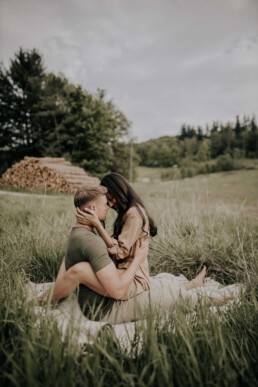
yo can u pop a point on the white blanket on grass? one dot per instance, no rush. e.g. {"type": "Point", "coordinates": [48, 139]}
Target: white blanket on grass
{"type": "Point", "coordinates": [129, 336]}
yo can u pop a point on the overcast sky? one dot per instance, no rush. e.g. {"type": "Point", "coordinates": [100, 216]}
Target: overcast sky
{"type": "Point", "coordinates": [162, 62]}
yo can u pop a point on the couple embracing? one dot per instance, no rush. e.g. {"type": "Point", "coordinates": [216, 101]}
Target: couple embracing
{"type": "Point", "coordinates": [112, 273]}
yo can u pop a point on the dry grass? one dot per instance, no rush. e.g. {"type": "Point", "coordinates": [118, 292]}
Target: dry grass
{"type": "Point", "coordinates": [204, 219]}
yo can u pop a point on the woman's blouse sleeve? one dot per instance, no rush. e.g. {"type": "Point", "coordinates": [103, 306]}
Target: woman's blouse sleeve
{"type": "Point", "coordinates": [131, 231]}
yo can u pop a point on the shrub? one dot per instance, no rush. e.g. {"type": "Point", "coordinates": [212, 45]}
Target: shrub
{"type": "Point", "coordinates": [224, 163]}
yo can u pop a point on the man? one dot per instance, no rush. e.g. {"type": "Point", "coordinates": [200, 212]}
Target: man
{"type": "Point", "coordinates": [87, 247]}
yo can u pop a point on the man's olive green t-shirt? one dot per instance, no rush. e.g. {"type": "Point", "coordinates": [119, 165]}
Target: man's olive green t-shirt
{"type": "Point", "coordinates": [85, 246]}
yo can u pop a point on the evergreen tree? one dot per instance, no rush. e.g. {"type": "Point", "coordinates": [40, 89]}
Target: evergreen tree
{"type": "Point", "coordinates": [199, 133]}
{"type": "Point", "coordinates": [20, 98]}
{"type": "Point", "coordinates": [238, 128]}
{"type": "Point", "coordinates": [253, 125]}
{"type": "Point", "coordinates": [251, 140]}
{"type": "Point", "coordinates": [183, 132]}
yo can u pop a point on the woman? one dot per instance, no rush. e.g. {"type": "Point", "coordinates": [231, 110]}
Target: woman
{"type": "Point", "coordinates": [133, 225]}
{"type": "Point", "coordinates": [132, 229]}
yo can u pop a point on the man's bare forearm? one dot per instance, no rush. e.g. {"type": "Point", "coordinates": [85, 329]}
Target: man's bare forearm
{"type": "Point", "coordinates": [62, 270]}
{"type": "Point", "coordinates": [125, 279]}
{"type": "Point", "coordinates": [115, 283]}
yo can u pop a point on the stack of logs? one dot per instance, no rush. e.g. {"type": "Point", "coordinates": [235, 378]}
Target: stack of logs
{"type": "Point", "coordinates": [47, 173]}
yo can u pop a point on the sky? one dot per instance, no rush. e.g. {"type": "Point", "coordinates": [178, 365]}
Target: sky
{"type": "Point", "coordinates": [163, 63]}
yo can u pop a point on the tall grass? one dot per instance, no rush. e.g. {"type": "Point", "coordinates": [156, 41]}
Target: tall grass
{"type": "Point", "coordinates": [209, 349]}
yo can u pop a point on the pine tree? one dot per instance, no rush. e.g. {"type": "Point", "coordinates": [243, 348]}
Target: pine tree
{"type": "Point", "coordinates": [20, 98]}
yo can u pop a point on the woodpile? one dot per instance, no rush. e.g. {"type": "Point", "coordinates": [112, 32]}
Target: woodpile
{"type": "Point", "coordinates": [47, 173]}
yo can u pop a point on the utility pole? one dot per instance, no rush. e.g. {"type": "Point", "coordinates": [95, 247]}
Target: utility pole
{"type": "Point", "coordinates": [131, 161]}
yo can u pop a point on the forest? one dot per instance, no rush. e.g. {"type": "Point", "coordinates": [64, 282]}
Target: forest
{"type": "Point", "coordinates": [219, 147]}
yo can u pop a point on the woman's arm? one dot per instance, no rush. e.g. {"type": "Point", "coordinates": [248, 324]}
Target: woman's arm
{"type": "Point", "coordinates": [90, 218]}
{"type": "Point", "coordinates": [131, 232]}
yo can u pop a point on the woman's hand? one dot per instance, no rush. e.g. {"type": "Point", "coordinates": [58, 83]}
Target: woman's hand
{"type": "Point", "coordinates": [88, 218]}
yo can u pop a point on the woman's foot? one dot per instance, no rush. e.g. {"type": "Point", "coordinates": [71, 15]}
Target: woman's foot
{"type": "Point", "coordinates": [198, 281]}
{"type": "Point", "coordinates": [46, 298]}
{"type": "Point", "coordinates": [42, 300]}
{"type": "Point", "coordinates": [221, 299]}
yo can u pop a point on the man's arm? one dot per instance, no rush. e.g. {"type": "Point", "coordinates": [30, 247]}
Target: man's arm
{"type": "Point", "coordinates": [62, 269]}
{"type": "Point", "coordinates": [116, 284]}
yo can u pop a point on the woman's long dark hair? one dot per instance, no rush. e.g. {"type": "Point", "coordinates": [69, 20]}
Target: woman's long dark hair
{"type": "Point", "coordinates": [126, 198]}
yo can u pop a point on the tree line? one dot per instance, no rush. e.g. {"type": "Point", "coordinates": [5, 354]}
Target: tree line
{"type": "Point", "coordinates": [235, 140]}
{"type": "Point", "coordinates": [43, 114]}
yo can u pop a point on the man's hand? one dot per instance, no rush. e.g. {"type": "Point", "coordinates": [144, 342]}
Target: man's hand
{"type": "Point", "coordinates": [87, 217]}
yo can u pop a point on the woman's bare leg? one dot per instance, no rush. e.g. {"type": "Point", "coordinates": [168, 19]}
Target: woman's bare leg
{"type": "Point", "coordinates": [197, 281]}
{"type": "Point", "coordinates": [81, 273]}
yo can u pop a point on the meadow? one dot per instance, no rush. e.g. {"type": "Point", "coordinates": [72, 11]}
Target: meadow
{"type": "Point", "coordinates": [210, 219]}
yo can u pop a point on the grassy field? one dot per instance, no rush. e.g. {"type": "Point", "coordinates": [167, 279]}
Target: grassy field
{"type": "Point", "coordinates": [149, 174]}
{"type": "Point", "coordinates": [207, 219]}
